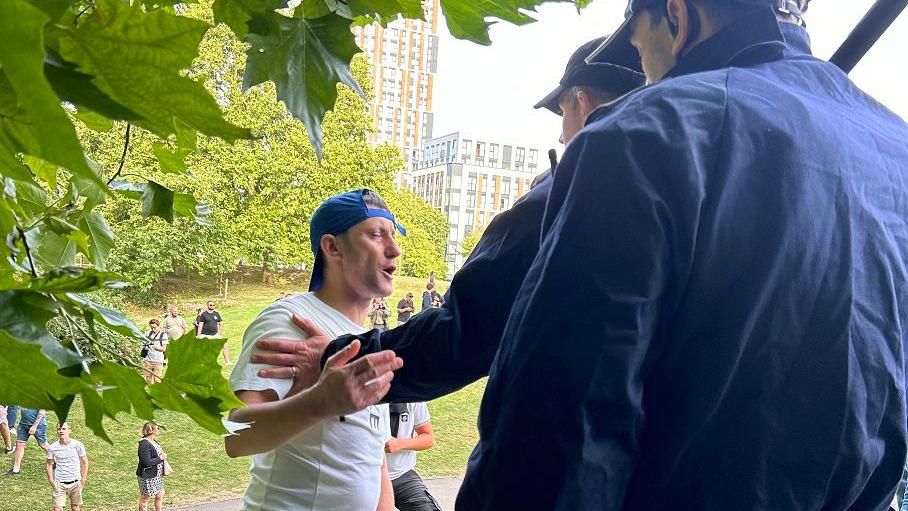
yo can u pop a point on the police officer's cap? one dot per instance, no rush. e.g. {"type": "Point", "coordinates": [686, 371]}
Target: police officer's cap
{"type": "Point", "coordinates": [618, 46]}
{"type": "Point", "coordinates": [612, 75]}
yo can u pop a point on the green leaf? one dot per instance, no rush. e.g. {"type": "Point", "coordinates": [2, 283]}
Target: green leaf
{"type": "Point", "coordinates": [194, 383]}
{"type": "Point", "coordinates": [305, 59]}
{"type": "Point", "coordinates": [44, 170]}
{"type": "Point", "coordinates": [36, 383]}
{"type": "Point", "coordinates": [126, 384]}
{"type": "Point", "coordinates": [467, 18]}
{"type": "Point", "coordinates": [157, 200]}
{"type": "Point", "coordinates": [93, 121]}
{"type": "Point", "coordinates": [136, 58]}
{"type": "Point", "coordinates": [78, 89]}
{"type": "Point", "coordinates": [185, 205]}
{"type": "Point", "coordinates": [187, 137]}
{"type": "Point", "coordinates": [54, 9]}
{"type": "Point", "coordinates": [47, 133]}
{"type": "Point", "coordinates": [24, 316]}
{"type": "Point", "coordinates": [128, 189]}
{"type": "Point", "coordinates": [94, 191]}
{"type": "Point", "coordinates": [236, 14]}
{"type": "Point", "coordinates": [94, 413]}
{"type": "Point", "coordinates": [69, 280]}
{"type": "Point", "coordinates": [171, 161]}
{"type": "Point", "coordinates": [110, 318]}
{"type": "Point", "coordinates": [100, 237]}
{"type": "Point", "coordinates": [54, 250]}
{"type": "Point", "coordinates": [387, 10]}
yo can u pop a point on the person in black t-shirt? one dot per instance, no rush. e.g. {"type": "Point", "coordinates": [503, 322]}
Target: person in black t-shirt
{"type": "Point", "coordinates": [405, 309]}
{"type": "Point", "coordinates": [209, 325]}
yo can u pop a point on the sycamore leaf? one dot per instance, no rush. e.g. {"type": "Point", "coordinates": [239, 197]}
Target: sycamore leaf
{"type": "Point", "coordinates": [112, 319]}
{"type": "Point", "coordinates": [93, 121]}
{"type": "Point", "coordinates": [54, 250]}
{"type": "Point", "coordinates": [128, 189]}
{"type": "Point", "coordinates": [385, 10]}
{"type": "Point", "coordinates": [124, 384]}
{"type": "Point", "coordinates": [78, 89]}
{"type": "Point", "coordinates": [47, 131]}
{"type": "Point", "coordinates": [44, 170]}
{"type": "Point", "coordinates": [53, 8]}
{"type": "Point", "coordinates": [93, 404]}
{"type": "Point", "coordinates": [69, 280]}
{"type": "Point", "coordinates": [185, 205]}
{"type": "Point", "coordinates": [305, 59]}
{"type": "Point", "coordinates": [157, 200]}
{"type": "Point", "coordinates": [172, 162]}
{"type": "Point", "coordinates": [236, 14]}
{"type": "Point", "coordinates": [100, 237]}
{"type": "Point", "coordinates": [194, 383]}
{"type": "Point", "coordinates": [37, 383]}
{"type": "Point", "coordinates": [467, 18]}
{"type": "Point", "coordinates": [137, 57]}
{"type": "Point", "coordinates": [24, 316]}
{"type": "Point", "coordinates": [186, 137]}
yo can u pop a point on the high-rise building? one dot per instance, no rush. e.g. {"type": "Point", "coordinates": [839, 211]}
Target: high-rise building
{"type": "Point", "coordinates": [471, 180]}
{"type": "Point", "coordinates": [404, 60]}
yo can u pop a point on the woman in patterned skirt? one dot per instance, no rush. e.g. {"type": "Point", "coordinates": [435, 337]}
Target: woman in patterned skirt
{"type": "Point", "coordinates": [150, 471]}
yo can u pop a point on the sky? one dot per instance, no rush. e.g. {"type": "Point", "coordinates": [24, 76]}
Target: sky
{"type": "Point", "coordinates": [489, 91]}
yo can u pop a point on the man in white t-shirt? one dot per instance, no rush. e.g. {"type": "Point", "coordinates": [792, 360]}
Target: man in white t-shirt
{"type": "Point", "coordinates": [67, 469]}
{"type": "Point", "coordinates": [314, 450]}
{"type": "Point", "coordinates": [411, 431]}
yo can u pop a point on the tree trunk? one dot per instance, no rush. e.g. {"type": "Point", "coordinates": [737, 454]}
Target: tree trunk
{"type": "Point", "coordinates": [266, 276]}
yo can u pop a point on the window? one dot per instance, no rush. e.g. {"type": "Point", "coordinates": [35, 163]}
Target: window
{"type": "Point", "coordinates": [465, 147]}
{"type": "Point", "coordinates": [506, 186]}
{"type": "Point", "coordinates": [534, 155]}
{"type": "Point", "coordinates": [506, 157]}
{"type": "Point", "coordinates": [493, 153]}
{"type": "Point", "coordinates": [471, 183]}
{"type": "Point", "coordinates": [520, 155]}
{"type": "Point", "coordinates": [480, 151]}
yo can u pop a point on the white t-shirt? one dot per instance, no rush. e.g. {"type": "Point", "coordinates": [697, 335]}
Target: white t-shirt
{"type": "Point", "coordinates": [156, 340]}
{"type": "Point", "coordinates": [67, 458]}
{"type": "Point", "coordinates": [333, 465]}
{"type": "Point", "coordinates": [401, 462]}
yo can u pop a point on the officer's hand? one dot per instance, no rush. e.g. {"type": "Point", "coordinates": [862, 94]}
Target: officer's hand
{"type": "Point", "coordinates": [300, 360]}
{"type": "Point", "coordinates": [348, 388]}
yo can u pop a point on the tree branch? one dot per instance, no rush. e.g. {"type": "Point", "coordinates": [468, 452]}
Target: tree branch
{"type": "Point", "coordinates": [28, 253]}
{"type": "Point", "coordinates": [122, 156]}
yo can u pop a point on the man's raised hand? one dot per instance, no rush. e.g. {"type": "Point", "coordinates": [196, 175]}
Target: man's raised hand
{"type": "Point", "coordinates": [348, 388]}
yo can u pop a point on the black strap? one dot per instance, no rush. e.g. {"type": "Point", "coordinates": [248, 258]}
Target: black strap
{"type": "Point", "coordinates": [395, 410]}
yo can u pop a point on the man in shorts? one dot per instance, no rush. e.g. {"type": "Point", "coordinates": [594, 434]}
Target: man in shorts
{"type": "Point", "coordinates": [67, 469]}
{"type": "Point", "coordinates": [32, 423]}
{"type": "Point", "coordinates": [308, 455]}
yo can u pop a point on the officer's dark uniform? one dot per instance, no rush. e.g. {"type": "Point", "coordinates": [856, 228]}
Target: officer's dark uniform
{"type": "Point", "coordinates": [732, 245]}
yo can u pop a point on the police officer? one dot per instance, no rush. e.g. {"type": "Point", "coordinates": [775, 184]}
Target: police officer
{"type": "Point", "coordinates": [737, 339]}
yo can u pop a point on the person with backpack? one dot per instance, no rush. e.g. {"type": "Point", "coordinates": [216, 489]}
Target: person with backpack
{"type": "Point", "coordinates": [153, 352]}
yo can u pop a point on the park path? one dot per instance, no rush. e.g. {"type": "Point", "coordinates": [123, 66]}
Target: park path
{"type": "Point", "coordinates": [443, 488]}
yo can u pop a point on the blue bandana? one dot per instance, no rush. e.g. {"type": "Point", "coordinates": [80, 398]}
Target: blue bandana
{"type": "Point", "coordinates": [335, 216]}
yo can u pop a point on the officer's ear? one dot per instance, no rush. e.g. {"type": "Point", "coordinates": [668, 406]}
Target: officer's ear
{"type": "Point", "coordinates": [680, 19]}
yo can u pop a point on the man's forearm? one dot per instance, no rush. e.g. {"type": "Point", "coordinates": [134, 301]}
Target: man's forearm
{"type": "Point", "coordinates": [84, 470]}
{"type": "Point", "coordinates": [417, 443]}
{"type": "Point", "coordinates": [273, 424]}
{"type": "Point", "coordinates": [48, 468]}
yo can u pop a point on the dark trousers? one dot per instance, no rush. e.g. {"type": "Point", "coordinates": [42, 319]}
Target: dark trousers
{"type": "Point", "coordinates": [411, 494]}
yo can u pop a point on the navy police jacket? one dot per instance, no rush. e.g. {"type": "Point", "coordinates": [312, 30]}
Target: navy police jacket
{"type": "Point", "coordinates": [717, 315]}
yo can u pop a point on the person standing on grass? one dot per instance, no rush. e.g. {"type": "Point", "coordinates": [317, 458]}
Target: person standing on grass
{"type": "Point", "coordinates": [427, 296]}
{"type": "Point", "coordinates": [155, 345]}
{"type": "Point", "coordinates": [150, 471]}
{"type": "Point", "coordinates": [67, 469]}
{"type": "Point", "coordinates": [405, 309]}
{"type": "Point", "coordinates": [32, 423]}
{"type": "Point", "coordinates": [210, 326]}
{"type": "Point", "coordinates": [411, 431]}
{"type": "Point", "coordinates": [378, 316]}
{"type": "Point", "coordinates": [312, 452]}
{"type": "Point", "coordinates": [175, 324]}
{"type": "Point", "coordinates": [4, 430]}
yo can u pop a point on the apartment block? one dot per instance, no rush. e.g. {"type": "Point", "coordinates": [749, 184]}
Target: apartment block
{"type": "Point", "coordinates": [471, 180]}
{"type": "Point", "coordinates": [404, 62]}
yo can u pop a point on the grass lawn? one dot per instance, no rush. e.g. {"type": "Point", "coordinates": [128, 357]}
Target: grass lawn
{"type": "Point", "coordinates": [202, 471]}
